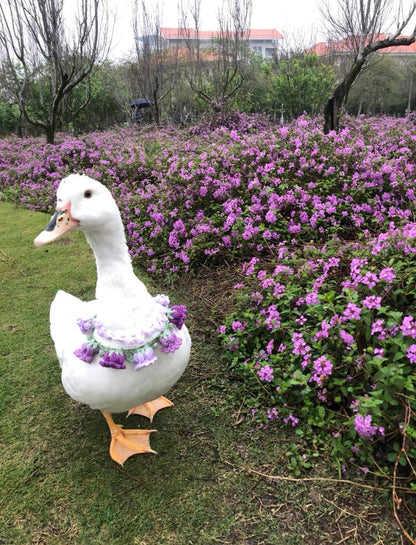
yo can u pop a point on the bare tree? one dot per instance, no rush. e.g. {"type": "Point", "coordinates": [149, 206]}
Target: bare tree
{"type": "Point", "coordinates": [360, 24]}
{"type": "Point", "coordinates": [47, 58]}
{"type": "Point", "coordinates": [157, 65]}
{"type": "Point", "coordinates": [216, 73]}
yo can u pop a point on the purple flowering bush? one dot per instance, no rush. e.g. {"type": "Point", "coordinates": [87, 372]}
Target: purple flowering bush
{"type": "Point", "coordinates": [202, 195]}
{"type": "Point", "coordinates": [324, 340]}
{"type": "Point", "coordinates": [323, 334]}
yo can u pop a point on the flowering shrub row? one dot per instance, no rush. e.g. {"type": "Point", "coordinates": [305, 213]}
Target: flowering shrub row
{"type": "Point", "coordinates": [194, 196]}
{"type": "Point", "coordinates": [325, 341]}
{"type": "Point", "coordinates": [323, 333]}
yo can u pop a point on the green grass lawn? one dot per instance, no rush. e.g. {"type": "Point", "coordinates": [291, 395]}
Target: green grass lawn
{"type": "Point", "coordinates": [60, 487]}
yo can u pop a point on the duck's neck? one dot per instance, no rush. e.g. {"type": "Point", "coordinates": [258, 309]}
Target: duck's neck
{"type": "Point", "coordinates": [115, 275]}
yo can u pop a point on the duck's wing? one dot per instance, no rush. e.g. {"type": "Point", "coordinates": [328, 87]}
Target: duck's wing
{"type": "Point", "coordinates": [64, 313]}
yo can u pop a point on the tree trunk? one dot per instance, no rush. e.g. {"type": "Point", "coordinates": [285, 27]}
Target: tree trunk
{"type": "Point", "coordinates": [339, 98]}
{"type": "Point", "coordinates": [335, 104]}
{"type": "Point", "coordinates": [50, 134]}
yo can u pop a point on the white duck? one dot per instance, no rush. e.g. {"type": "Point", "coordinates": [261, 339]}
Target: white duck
{"type": "Point", "coordinates": [125, 349]}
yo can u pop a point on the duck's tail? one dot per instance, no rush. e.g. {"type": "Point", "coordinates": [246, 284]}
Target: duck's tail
{"type": "Point", "coordinates": [64, 313]}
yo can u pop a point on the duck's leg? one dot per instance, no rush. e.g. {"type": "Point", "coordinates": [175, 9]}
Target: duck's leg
{"type": "Point", "coordinates": [150, 408]}
{"type": "Point", "coordinates": [125, 443]}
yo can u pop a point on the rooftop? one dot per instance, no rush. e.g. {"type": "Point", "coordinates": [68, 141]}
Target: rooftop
{"type": "Point", "coordinates": [347, 45]}
{"type": "Point", "coordinates": [252, 33]}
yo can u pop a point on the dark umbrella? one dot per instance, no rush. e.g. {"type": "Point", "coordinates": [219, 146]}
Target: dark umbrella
{"type": "Point", "coordinates": [141, 103]}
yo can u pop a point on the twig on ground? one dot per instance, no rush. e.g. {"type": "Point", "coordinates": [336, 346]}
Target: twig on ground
{"type": "Point", "coordinates": [313, 479]}
{"type": "Point", "coordinates": [396, 500]}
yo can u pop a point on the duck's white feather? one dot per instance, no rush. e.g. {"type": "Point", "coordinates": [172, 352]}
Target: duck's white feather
{"type": "Point", "coordinates": [123, 306]}
{"type": "Point", "coordinates": [112, 390]}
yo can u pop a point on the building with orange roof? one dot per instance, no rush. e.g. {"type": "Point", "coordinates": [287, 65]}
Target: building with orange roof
{"type": "Point", "coordinates": [346, 46]}
{"type": "Point", "coordinates": [265, 42]}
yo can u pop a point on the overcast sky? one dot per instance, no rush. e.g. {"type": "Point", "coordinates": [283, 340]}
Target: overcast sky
{"type": "Point", "coordinates": [286, 16]}
{"type": "Point", "coordinates": [289, 17]}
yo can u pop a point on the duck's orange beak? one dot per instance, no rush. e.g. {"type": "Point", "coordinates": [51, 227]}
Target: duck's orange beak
{"type": "Point", "coordinates": [61, 222]}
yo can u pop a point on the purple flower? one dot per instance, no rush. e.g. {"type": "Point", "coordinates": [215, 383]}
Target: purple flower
{"type": "Point", "coordinates": [322, 368]}
{"type": "Point", "coordinates": [266, 373]}
{"type": "Point", "coordinates": [363, 427]}
{"type": "Point", "coordinates": [301, 320]}
{"type": "Point", "coordinates": [294, 228]}
{"type": "Point", "coordinates": [312, 298]}
{"type": "Point", "coordinates": [171, 343]}
{"type": "Point", "coordinates": [272, 317]}
{"type": "Point", "coordinates": [257, 297]}
{"type": "Point", "coordinates": [324, 333]}
{"type": "Point", "coordinates": [272, 414]}
{"type": "Point", "coordinates": [178, 316]}
{"type": "Point", "coordinates": [370, 279]}
{"type": "Point", "coordinates": [372, 302]}
{"type": "Point", "coordinates": [352, 312]}
{"type": "Point", "coordinates": [86, 353]}
{"type": "Point", "coordinates": [346, 337]}
{"type": "Point", "coordinates": [113, 360]}
{"type": "Point", "coordinates": [299, 345]}
{"type": "Point", "coordinates": [293, 420]}
{"type": "Point", "coordinates": [233, 344]}
{"type": "Point", "coordinates": [377, 327]}
{"type": "Point", "coordinates": [387, 274]}
{"type": "Point", "coordinates": [270, 216]}
{"type": "Point", "coordinates": [411, 353]}
{"type": "Point", "coordinates": [237, 326]}
{"type": "Point", "coordinates": [354, 405]}
{"type": "Point", "coordinates": [305, 361]}
{"type": "Point", "coordinates": [408, 327]}
{"type": "Point", "coordinates": [270, 346]}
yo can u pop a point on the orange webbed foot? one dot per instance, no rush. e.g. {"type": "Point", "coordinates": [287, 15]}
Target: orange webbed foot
{"type": "Point", "coordinates": [126, 443]}
{"type": "Point", "coordinates": [150, 408]}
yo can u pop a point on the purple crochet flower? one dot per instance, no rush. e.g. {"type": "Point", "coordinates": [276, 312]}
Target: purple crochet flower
{"type": "Point", "coordinates": [162, 300]}
{"type": "Point", "coordinates": [86, 326]}
{"type": "Point", "coordinates": [112, 359]}
{"type": "Point", "coordinates": [144, 358]}
{"type": "Point", "coordinates": [86, 353]}
{"type": "Point", "coordinates": [170, 343]}
{"type": "Point", "coordinates": [178, 315]}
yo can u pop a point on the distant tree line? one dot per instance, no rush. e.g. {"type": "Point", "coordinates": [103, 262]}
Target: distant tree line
{"type": "Point", "coordinates": [50, 82]}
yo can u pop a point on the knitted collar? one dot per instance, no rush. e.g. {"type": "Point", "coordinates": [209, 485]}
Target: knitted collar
{"type": "Point", "coordinates": [137, 350]}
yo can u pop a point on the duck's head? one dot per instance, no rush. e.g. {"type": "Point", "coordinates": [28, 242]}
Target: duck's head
{"type": "Point", "coordinates": [82, 203]}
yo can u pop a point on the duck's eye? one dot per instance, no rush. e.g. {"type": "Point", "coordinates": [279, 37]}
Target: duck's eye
{"type": "Point", "coordinates": [88, 194]}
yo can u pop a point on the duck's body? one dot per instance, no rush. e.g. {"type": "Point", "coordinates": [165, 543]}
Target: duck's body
{"type": "Point", "coordinates": [125, 348]}
{"type": "Point", "coordinates": [104, 388]}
